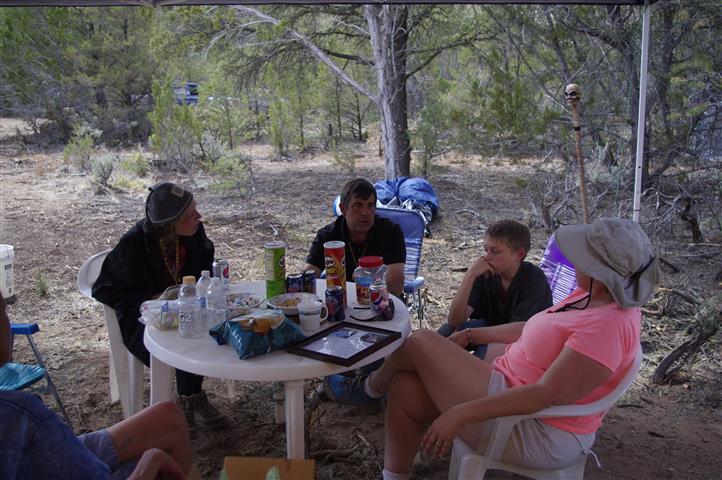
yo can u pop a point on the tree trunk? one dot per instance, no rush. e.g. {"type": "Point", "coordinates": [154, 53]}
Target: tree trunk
{"type": "Point", "coordinates": [389, 36]}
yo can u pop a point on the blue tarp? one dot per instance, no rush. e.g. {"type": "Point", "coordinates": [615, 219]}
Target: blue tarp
{"type": "Point", "coordinates": [417, 190]}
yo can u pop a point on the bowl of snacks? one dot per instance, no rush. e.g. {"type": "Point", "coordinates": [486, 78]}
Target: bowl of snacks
{"type": "Point", "coordinates": [288, 302]}
{"type": "Point", "coordinates": [242, 303]}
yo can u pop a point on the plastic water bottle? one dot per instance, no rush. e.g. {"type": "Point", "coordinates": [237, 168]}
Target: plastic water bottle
{"type": "Point", "coordinates": [201, 290]}
{"type": "Point", "coordinates": [189, 311]}
{"type": "Point", "coordinates": [202, 287]}
{"type": "Point", "coordinates": [216, 302]}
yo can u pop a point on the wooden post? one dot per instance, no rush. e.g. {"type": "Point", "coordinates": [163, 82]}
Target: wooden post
{"type": "Point", "coordinates": [572, 94]}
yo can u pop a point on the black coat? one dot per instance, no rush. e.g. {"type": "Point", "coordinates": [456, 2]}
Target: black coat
{"type": "Point", "coordinates": [134, 271]}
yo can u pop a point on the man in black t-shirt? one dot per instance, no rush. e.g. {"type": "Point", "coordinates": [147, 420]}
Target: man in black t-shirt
{"type": "Point", "coordinates": [364, 233]}
{"type": "Point", "coordinates": [499, 288]}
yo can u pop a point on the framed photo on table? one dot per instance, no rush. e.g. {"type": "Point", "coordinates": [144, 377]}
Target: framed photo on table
{"type": "Point", "coordinates": [344, 343]}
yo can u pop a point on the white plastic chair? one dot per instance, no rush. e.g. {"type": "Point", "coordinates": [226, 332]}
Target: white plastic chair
{"type": "Point", "coordinates": [467, 464]}
{"type": "Point", "coordinates": [126, 371]}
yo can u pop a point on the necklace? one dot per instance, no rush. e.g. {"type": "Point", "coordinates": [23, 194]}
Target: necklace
{"type": "Point", "coordinates": [362, 253]}
{"type": "Point", "coordinates": [172, 271]}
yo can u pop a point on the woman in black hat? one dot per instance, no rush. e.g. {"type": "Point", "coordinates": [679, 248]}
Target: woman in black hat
{"type": "Point", "coordinates": [153, 255]}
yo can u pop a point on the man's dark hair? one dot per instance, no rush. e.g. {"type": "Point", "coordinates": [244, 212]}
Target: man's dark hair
{"type": "Point", "coordinates": [358, 187]}
{"type": "Point", "coordinates": [514, 234]}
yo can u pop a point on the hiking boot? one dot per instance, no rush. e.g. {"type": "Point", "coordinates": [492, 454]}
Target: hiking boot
{"type": "Point", "coordinates": [200, 413]}
{"type": "Point", "coordinates": [350, 391]}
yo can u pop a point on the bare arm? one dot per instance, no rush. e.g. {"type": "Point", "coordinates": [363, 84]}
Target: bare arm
{"type": "Point", "coordinates": [569, 378]}
{"type": "Point", "coordinates": [6, 346]}
{"type": "Point", "coordinates": [395, 278]}
{"type": "Point", "coordinates": [506, 333]}
{"type": "Point", "coordinates": [460, 310]}
{"type": "Point", "coordinates": [308, 266]}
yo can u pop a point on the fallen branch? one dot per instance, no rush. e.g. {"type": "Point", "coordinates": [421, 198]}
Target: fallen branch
{"type": "Point", "coordinates": [664, 372]}
{"type": "Point", "coordinates": [674, 268]}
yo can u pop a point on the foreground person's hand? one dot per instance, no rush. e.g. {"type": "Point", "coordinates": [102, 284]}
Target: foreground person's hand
{"type": "Point", "coordinates": [439, 437]}
{"type": "Point", "coordinates": [155, 463]}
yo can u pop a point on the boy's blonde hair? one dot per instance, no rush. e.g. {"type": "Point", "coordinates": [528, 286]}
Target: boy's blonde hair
{"type": "Point", "coordinates": [514, 234]}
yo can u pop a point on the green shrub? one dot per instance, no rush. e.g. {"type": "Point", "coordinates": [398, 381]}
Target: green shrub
{"type": "Point", "coordinates": [122, 181]}
{"type": "Point", "coordinates": [176, 130]}
{"type": "Point", "coordinates": [230, 173]}
{"type": "Point", "coordinates": [137, 163]}
{"type": "Point", "coordinates": [79, 150]}
{"type": "Point", "coordinates": [281, 127]}
{"type": "Point", "coordinates": [345, 158]}
{"type": "Point", "coordinates": [41, 284]}
{"type": "Point", "coordinates": [102, 169]}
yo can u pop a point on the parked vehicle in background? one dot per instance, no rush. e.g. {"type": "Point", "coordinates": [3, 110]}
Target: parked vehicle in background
{"type": "Point", "coordinates": [186, 94]}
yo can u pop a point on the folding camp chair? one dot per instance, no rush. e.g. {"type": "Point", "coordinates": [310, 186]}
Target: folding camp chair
{"type": "Point", "coordinates": [468, 464]}
{"type": "Point", "coordinates": [558, 270]}
{"type": "Point", "coordinates": [126, 371]}
{"type": "Point", "coordinates": [412, 224]}
{"type": "Point", "coordinates": [19, 376]}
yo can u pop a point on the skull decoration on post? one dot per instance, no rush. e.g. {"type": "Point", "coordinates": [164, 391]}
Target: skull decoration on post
{"type": "Point", "coordinates": [573, 95]}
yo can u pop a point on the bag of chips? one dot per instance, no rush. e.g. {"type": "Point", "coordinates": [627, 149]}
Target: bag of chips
{"type": "Point", "coordinates": [257, 333]}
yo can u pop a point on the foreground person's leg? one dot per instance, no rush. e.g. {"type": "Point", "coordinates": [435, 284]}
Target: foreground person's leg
{"type": "Point", "coordinates": [449, 373]}
{"type": "Point", "coordinates": [408, 410]}
{"type": "Point", "coordinates": [159, 426]}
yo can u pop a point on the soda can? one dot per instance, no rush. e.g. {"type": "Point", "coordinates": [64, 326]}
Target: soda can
{"type": "Point", "coordinates": [335, 263]}
{"type": "Point", "coordinates": [274, 262]}
{"type": "Point", "coordinates": [334, 303]}
{"type": "Point", "coordinates": [309, 281]}
{"type": "Point", "coordinates": [222, 270]}
{"type": "Point", "coordinates": [379, 296]}
{"type": "Point", "coordinates": [294, 283]}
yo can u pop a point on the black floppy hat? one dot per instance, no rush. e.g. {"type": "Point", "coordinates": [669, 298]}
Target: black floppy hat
{"type": "Point", "coordinates": [166, 202]}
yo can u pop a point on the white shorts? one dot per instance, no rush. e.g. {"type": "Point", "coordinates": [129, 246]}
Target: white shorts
{"type": "Point", "coordinates": [532, 443]}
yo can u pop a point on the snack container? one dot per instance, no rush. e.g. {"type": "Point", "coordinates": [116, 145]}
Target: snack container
{"type": "Point", "coordinates": [274, 262]}
{"type": "Point", "coordinates": [335, 263]}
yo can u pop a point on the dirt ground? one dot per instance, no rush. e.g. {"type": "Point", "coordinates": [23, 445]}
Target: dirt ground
{"type": "Point", "coordinates": [55, 220]}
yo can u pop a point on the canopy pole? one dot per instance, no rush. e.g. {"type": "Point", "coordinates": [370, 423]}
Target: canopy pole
{"type": "Point", "coordinates": [641, 113]}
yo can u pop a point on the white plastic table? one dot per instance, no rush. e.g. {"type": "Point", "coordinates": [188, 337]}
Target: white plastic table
{"type": "Point", "coordinates": [203, 356]}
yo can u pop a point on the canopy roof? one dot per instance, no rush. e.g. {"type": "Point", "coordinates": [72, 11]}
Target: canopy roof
{"type": "Point", "coordinates": [168, 3]}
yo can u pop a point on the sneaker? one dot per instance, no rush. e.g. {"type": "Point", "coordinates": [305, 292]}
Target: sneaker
{"type": "Point", "coordinates": [200, 413]}
{"type": "Point", "coordinates": [350, 391]}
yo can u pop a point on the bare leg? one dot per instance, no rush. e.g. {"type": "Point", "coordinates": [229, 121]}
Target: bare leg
{"type": "Point", "coordinates": [447, 375]}
{"type": "Point", "coordinates": [409, 409]}
{"type": "Point", "coordinates": [162, 426]}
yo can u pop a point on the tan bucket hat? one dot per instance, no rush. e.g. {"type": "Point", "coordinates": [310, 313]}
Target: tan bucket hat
{"type": "Point", "coordinates": [615, 251]}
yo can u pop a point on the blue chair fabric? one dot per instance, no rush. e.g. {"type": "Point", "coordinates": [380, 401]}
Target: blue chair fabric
{"type": "Point", "coordinates": [412, 224]}
{"type": "Point", "coordinates": [18, 376]}
{"type": "Point", "coordinates": [558, 270]}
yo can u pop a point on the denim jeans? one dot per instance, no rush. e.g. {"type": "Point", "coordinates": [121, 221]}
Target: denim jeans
{"type": "Point", "coordinates": [446, 330]}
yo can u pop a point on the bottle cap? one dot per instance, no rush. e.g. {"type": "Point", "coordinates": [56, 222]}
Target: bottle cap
{"type": "Point", "coordinates": [205, 273]}
{"type": "Point", "coordinates": [370, 262]}
{"type": "Point", "coordinates": [189, 280]}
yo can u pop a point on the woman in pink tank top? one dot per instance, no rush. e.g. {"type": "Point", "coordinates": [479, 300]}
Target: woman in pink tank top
{"type": "Point", "coordinates": [574, 352]}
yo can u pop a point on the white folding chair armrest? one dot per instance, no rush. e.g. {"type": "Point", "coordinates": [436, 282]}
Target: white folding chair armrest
{"type": "Point", "coordinates": [505, 425]}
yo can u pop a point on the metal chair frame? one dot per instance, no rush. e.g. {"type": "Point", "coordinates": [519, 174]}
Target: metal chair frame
{"type": "Point", "coordinates": [26, 375]}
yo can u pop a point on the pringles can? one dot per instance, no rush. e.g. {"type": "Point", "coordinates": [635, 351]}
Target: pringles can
{"type": "Point", "coordinates": [335, 263]}
{"type": "Point", "coordinates": [334, 303]}
{"type": "Point", "coordinates": [294, 283]}
{"type": "Point", "coordinates": [222, 270]}
{"type": "Point", "coordinates": [309, 281]}
{"type": "Point", "coordinates": [274, 261]}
